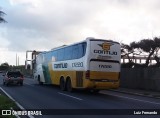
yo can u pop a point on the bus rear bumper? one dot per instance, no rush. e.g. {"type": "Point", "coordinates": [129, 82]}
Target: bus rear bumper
{"type": "Point", "coordinates": [102, 85]}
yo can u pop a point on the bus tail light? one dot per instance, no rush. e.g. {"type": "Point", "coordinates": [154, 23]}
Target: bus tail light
{"type": "Point", "coordinates": [87, 74]}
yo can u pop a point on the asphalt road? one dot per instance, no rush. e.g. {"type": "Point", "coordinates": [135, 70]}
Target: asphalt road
{"type": "Point", "coordinates": [34, 96]}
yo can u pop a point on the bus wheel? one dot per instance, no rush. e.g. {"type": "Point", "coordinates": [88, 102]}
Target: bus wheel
{"type": "Point", "coordinates": [39, 81]}
{"type": "Point", "coordinates": [62, 84]}
{"type": "Point", "coordinates": [4, 82]}
{"type": "Point", "coordinates": [69, 85]}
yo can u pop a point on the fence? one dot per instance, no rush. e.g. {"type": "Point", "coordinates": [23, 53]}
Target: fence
{"type": "Point", "coordinates": [141, 78]}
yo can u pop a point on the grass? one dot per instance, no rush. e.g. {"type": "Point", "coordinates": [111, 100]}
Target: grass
{"type": "Point", "coordinates": [6, 104]}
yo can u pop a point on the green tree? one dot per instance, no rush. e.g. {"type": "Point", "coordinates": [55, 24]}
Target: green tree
{"type": "Point", "coordinates": [1, 17]}
{"type": "Point", "coordinates": [4, 66]}
{"type": "Point", "coordinates": [149, 47]}
{"type": "Point", "coordinates": [126, 51]}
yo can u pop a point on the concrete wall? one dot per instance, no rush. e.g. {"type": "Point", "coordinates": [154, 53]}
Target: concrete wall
{"type": "Point", "coordinates": [141, 78]}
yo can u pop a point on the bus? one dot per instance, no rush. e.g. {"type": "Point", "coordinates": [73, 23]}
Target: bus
{"type": "Point", "coordinates": [92, 64]}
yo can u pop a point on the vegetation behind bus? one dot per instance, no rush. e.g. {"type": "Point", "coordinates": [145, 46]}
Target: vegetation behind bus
{"type": "Point", "coordinates": [148, 47]}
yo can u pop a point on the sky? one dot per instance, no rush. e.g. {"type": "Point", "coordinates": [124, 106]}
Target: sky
{"type": "Point", "coordinates": [44, 24]}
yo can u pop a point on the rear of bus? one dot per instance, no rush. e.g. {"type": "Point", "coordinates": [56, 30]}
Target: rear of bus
{"type": "Point", "coordinates": [103, 71]}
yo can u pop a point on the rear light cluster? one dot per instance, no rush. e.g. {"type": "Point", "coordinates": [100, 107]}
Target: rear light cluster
{"type": "Point", "coordinates": [87, 74]}
{"type": "Point", "coordinates": [21, 77]}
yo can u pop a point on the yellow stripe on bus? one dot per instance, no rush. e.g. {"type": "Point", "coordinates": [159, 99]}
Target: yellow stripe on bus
{"type": "Point", "coordinates": [87, 83]}
{"type": "Point", "coordinates": [104, 75]}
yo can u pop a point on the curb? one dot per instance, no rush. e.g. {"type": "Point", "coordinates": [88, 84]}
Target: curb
{"type": "Point", "coordinates": [10, 97]}
{"type": "Point", "coordinates": [133, 93]}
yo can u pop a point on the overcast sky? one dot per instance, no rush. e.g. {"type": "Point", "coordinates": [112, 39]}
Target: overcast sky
{"type": "Point", "coordinates": [45, 24]}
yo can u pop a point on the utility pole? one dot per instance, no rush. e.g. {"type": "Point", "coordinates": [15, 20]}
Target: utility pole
{"type": "Point", "coordinates": [16, 59]}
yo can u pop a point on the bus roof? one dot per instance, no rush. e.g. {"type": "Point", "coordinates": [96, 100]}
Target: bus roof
{"type": "Point", "coordinates": [87, 39]}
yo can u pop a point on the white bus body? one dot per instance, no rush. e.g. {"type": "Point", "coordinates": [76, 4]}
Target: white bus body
{"type": "Point", "coordinates": [90, 64]}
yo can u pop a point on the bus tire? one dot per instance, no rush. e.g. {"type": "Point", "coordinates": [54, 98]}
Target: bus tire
{"type": "Point", "coordinates": [7, 83]}
{"type": "Point", "coordinates": [4, 82]}
{"type": "Point", "coordinates": [69, 85]}
{"type": "Point", "coordinates": [39, 81]}
{"type": "Point", "coordinates": [62, 84]}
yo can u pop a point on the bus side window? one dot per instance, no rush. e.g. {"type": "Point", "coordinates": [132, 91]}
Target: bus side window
{"type": "Point", "coordinates": [68, 53]}
{"type": "Point", "coordinates": [84, 45]}
{"type": "Point", "coordinates": [75, 52]}
{"type": "Point", "coordinates": [81, 50]}
{"type": "Point", "coordinates": [54, 56]}
{"type": "Point", "coordinates": [60, 55]}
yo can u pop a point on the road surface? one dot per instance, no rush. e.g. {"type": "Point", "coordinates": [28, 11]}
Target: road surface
{"type": "Point", "coordinates": [34, 96]}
